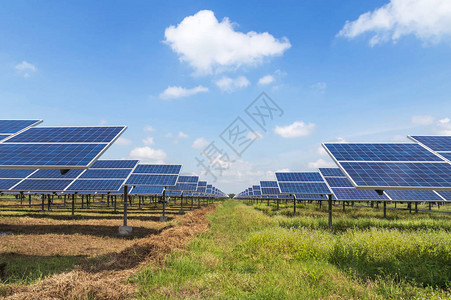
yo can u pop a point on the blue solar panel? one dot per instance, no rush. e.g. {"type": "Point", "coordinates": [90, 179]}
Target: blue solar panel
{"type": "Point", "coordinates": [183, 187]}
{"type": "Point", "coordinates": [256, 187]}
{"type": "Point", "coordinates": [399, 175]}
{"type": "Point", "coordinates": [188, 179]}
{"type": "Point", "coordinates": [268, 184]}
{"type": "Point", "coordinates": [351, 194]}
{"type": "Point", "coordinates": [446, 155]}
{"type": "Point", "coordinates": [303, 188]}
{"type": "Point", "coordinates": [114, 164]}
{"type": "Point", "coordinates": [4, 136]}
{"type": "Point", "coordinates": [42, 185]}
{"type": "Point", "coordinates": [56, 174]}
{"type": "Point", "coordinates": [201, 189]}
{"type": "Point", "coordinates": [338, 182]}
{"type": "Point", "coordinates": [96, 185]}
{"type": "Point", "coordinates": [298, 176]}
{"type": "Point", "coordinates": [435, 143]}
{"type": "Point", "coordinates": [148, 190]}
{"type": "Point", "coordinates": [445, 194]}
{"type": "Point", "coordinates": [173, 193]}
{"type": "Point", "coordinates": [49, 155]}
{"type": "Point", "coordinates": [152, 179]}
{"type": "Point", "coordinates": [106, 173]}
{"type": "Point", "coordinates": [15, 173]}
{"type": "Point", "coordinates": [407, 195]}
{"type": "Point", "coordinates": [158, 169]}
{"type": "Point", "coordinates": [99, 134]}
{"type": "Point", "coordinates": [311, 197]}
{"type": "Point", "coordinates": [13, 126]}
{"type": "Point", "coordinates": [270, 191]}
{"type": "Point", "coordinates": [202, 183]}
{"type": "Point", "coordinates": [335, 172]}
{"type": "Point", "coordinates": [380, 152]}
{"type": "Point", "coordinates": [6, 184]}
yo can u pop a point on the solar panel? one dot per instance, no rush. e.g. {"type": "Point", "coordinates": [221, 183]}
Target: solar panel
{"type": "Point", "coordinates": [304, 188]}
{"type": "Point", "coordinates": [42, 185]}
{"type": "Point", "coordinates": [380, 152]}
{"type": "Point", "coordinates": [97, 185]}
{"type": "Point", "coordinates": [55, 174]}
{"type": "Point", "coordinates": [148, 190]}
{"type": "Point", "coordinates": [151, 179]}
{"type": "Point", "coordinates": [445, 194]}
{"type": "Point", "coordinates": [3, 136]}
{"type": "Point", "coordinates": [446, 155]}
{"type": "Point", "coordinates": [310, 197]}
{"type": "Point", "coordinates": [270, 191]}
{"type": "Point", "coordinates": [6, 184]}
{"type": "Point", "coordinates": [188, 179]}
{"type": "Point", "coordinates": [338, 182]}
{"type": "Point", "coordinates": [406, 195]}
{"type": "Point", "coordinates": [391, 166]}
{"type": "Point", "coordinates": [202, 184]}
{"type": "Point", "coordinates": [15, 173]}
{"type": "Point", "coordinates": [8, 127]}
{"type": "Point", "coordinates": [352, 194]}
{"type": "Point", "coordinates": [95, 134]}
{"type": "Point", "coordinates": [437, 143]}
{"type": "Point", "coordinates": [269, 184]}
{"type": "Point", "coordinates": [183, 187]}
{"type": "Point", "coordinates": [334, 172]}
{"type": "Point", "coordinates": [298, 176]}
{"type": "Point", "coordinates": [114, 164]}
{"type": "Point", "coordinates": [158, 169]}
{"type": "Point", "coordinates": [106, 173]}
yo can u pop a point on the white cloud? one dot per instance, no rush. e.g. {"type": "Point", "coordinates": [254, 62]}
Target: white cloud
{"type": "Point", "coordinates": [149, 128]}
{"type": "Point", "coordinates": [123, 141]}
{"type": "Point", "coordinates": [320, 87]}
{"type": "Point", "coordinates": [168, 135]}
{"type": "Point", "coordinates": [283, 170]}
{"type": "Point", "coordinates": [428, 20]}
{"type": "Point", "coordinates": [200, 143]}
{"type": "Point", "coordinates": [208, 45]}
{"type": "Point", "coordinates": [174, 92]}
{"type": "Point", "coordinates": [182, 135]}
{"type": "Point", "coordinates": [227, 84]}
{"type": "Point", "coordinates": [103, 122]}
{"type": "Point", "coordinates": [25, 68]}
{"type": "Point", "coordinates": [266, 80]}
{"type": "Point", "coordinates": [444, 126]}
{"type": "Point", "coordinates": [321, 163]}
{"type": "Point", "coordinates": [148, 154]}
{"type": "Point", "coordinates": [296, 129]}
{"type": "Point", "coordinates": [423, 120]}
{"type": "Point", "coordinates": [148, 141]}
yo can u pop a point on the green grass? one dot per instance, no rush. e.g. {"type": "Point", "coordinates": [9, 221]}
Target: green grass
{"type": "Point", "coordinates": [247, 254]}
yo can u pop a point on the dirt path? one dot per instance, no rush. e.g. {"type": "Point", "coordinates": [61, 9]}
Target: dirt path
{"type": "Point", "coordinates": [106, 278]}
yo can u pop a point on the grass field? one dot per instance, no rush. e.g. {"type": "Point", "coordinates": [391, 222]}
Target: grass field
{"type": "Point", "coordinates": [248, 254]}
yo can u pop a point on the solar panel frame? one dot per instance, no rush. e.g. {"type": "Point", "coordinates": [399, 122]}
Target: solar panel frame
{"type": "Point", "coordinates": [147, 190]}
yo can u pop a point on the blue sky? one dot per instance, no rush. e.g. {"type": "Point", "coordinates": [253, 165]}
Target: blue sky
{"type": "Point", "coordinates": [380, 76]}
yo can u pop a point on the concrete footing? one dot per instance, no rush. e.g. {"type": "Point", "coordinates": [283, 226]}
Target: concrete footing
{"type": "Point", "coordinates": [125, 230]}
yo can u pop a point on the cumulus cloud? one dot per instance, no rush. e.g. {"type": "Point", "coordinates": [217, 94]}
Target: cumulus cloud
{"type": "Point", "coordinates": [444, 126]}
{"type": "Point", "coordinates": [200, 143]}
{"type": "Point", "coordinates": [267, 79]}
{"type": "Point", "coordinates": [208, 45]}
{"type": "Point", "coordinates": [423, 120]}
{"type": "Point", "coordinates": [174, 92]}
{"type": "Point", "coordinates": [123, 141]}
{"type": "Point", "coordinates": [148, 154]}
{"type": "Point", "coordinates": [148, 141]}
{"type": "Point", "coordinates": [428, 20]}
{"type": "Point", "coordinates": [321, 163]}
{"type": "Point", "coordinates": [182, 135]}
{"type": "Point", "coordinates": [149, 128]}
{"type": "Point", "coordinates": [297, 129]}
{"type": "Point", "coordinates": [227, 84]}
{"type": "Point", "coordinates": [25, 69]}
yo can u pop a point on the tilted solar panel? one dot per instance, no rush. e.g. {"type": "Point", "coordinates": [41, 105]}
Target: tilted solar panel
{"type": "Point", "coordinates": [148, 190]}
{"type": "Point", "coordinates": [183, 187]}
{"type": "Point", "coordinates": [311, 197]}
{"type": "Point", "coordinates": [6, 184]}
{"type": "Point", "coordinates": [445, 194]}
{"type": "Point", "coordinates": [157, 169]}
{"type": "Point", "coordinates": [114, 164]}
{"type": "Point", "coordinates": [42, 185]}
{"type": "Point", "coordinates": [268, 184]}
{"type": "Point", "coordinates": [56, 174]}
{"type": "Point", "coordinates": [270, 191]}
{"type": "Point", "coordinates": [303, 188]}
{"type": "Point", "coordinates": [188, 179]}
{"type": "Point", "coordinates": [352, 194]}
{"type": "Point", "coordinates": [15, 173]}
{"type": "Point", "coordinates": [151, 179]}
{"type": "Point", "coordinates": [8, 127]}
{"type": "Point", "coordinates": [202, 184]}
{"type": "Point", "coordinates": [437, 143]}
{"type": "Point", "coordinates": [106, 173]}
{"type": "Point", "coordinates": [97, 185]}
{"type": "Point", "coordinates": [406, 195]}
{"type": "Point", "coordinates": [334, 172]}
{"type": "Point", "coordinates": [298, 176]}
{"type": "Point", "coordinates": [446, 155]}
{"type": "Point", "coordinates": [338, 182]}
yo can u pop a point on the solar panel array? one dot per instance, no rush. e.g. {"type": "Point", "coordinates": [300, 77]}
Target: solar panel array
{"type": "Point", "coordinates": [154, 175]}
{"type": "Point", "coordinates": [302, 183]}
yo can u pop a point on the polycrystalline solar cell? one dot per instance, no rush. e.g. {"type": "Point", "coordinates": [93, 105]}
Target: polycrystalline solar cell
{"type": "Point", "coordinates": [445, 194]}
{"type": "Point", "coordinates": [395, 175]}
{"type": "Point", "coordinates": [183, 187]}
{"type": "Point", "coordinates": [407, 195]}
{"type": "Point", "coordinates": [298, 176]}
{"type": "Point", "coordinates": [106, 173]}
{"type": "Point", "coordinates": [49, 155]}
{"type": "Point", "coordinates": [6, 184]}
{"type": "Point", "coordinates": [446, 155]}
{"type": "Point", "coordinates": [268, 184]}
{"type": "Point", "coordinates": [435, 143]}
{"type": "Point", "coordinates": [114, 164]}
{"type": "Point", "coordinates": [270, 191]}
{"type": "Point", "coordinates": [256, 187]}
{"type": "Point", "coordinates": [15, 173]}
{"type": "Point", "coordinates": [257, 193]}
{"type": "Point", "coordinates": [336, 172]}
{"type": "Point", "coordinates": [338, 182]}
{"type": "Point", "coordinates": [152, 179]}
{"type": "Point", "coordinates": [42, 185]}
{"type": "Point", "coordinates": [202, 183]}
{"type": "Point", "coordinates": [304, 188]}
{"type": "Point", "coordinates": [96, 185]}
{"type": "Point", "coordinates": [173, 193]}
{"type": "Point", "coordinates": [350, 194]}
{"type": "Point", "coordinates": [56, 174]}
{"type": "Point", "coordinates": [13, 126]}
{"type": "Point", "coordinates": [97, 134]}
{"type": "Point", "coordinates": [188, 179]}
{"type": "Point", "coordinates": [148, 190]}
{"type": "Point", "coordinates": [158, 169]}
{"type": "Point", "coordinates": [380, 152]}
{"type": "Point", "coordinates": [201, 189]}
{"type": "Point", "coordinates": [311, 197]}
{"type": "Point", "coordinates": [3, 136]}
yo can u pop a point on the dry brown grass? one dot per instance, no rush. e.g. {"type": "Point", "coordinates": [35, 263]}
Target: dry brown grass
{"type": "Point", "coordinates": [106, 279]}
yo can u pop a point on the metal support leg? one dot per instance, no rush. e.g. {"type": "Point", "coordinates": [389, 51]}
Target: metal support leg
{"type": "Point", "coordinates": [416, 207]}
{"type": "Point", "coordinates": [43, 199]}
{"type": "Point", "coordinates": [294, 205]}
{"type": "Point", "coordinates": [181, 212]}
{"type": "Point", "coordinates": [277, 204]}
{"type": "Point", "coordinates": [29, 200]}
{"type": "Point", "coordinates": [385, 209]}
{"type": "Point", "coordinates": [48, 202]}
{"type": "Point", "coordinates": [163, 217]}
{"type": "Point", "coordinates": [330, 211]}
{"type": "Point", "coordinates": [125, 204]}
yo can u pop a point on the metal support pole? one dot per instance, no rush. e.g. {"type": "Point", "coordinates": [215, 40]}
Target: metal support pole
{"type": "Point", "coordinates": [21, 198]}
{"type": "Point", "coordinates": [330, 211]}
{"type": "Point", "coordinates": [192, 203]}
{"type": "Point", "coordinates": [385, 209]}
{"type": "Point", "coordinates": [139, 202]}
{"type": "Point", "coordinates": [115, 203]}
{"type": "Point", "coordinates": [29, 200]}
{"type": "Point", "coordinates": [163, 217]}
{"type": "Point", "coordinates": [125, 204]}
{"type": "Point", "coordinates": [294, 205]}
{"type": "Point", "coordinates": [181, 212]}
{"type": "Point", "coordinates": [198, 202]}
{"type": "Point", "coordinates": [82, 201]}
{"type": "Point", "coordinates": [48, 202]}
{"type": "Point", "coordinates": [416, 207]}
{"type": "Point", "coordinates": [277, 203]}
{"type": "Point", "coordinates": [73, 204]}
{"type": "Point", "coordinates": [43, 199]}
{"type": "Point", "coordinates": [344, 210]}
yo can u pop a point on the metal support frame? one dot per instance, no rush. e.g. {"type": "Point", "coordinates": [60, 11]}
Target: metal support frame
{"type": "Point", "coordinates": [294, 205]}
{"type": "Point", "coordinates": [330, 211]}
{"type": "Point", "coordinates": [42, 204]}
{"type": "Point", "coordinates": [125, 204]}
{"type": "Point", "coordinates": [181, 212]}
{"type": "Point", "coordinates": [277, 204]}
{"type": "Point", "coordinates": [73, 204]}
{"type": "Point", "coordinates": [385, 209]}
{"type": "Point", "coordinates": [163, 217]}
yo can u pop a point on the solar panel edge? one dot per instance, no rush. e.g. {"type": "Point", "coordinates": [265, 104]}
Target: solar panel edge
{"type": "Point", "coordinates": [108, 145]}
{"type": "Point", "coordinates": [38, 121]}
